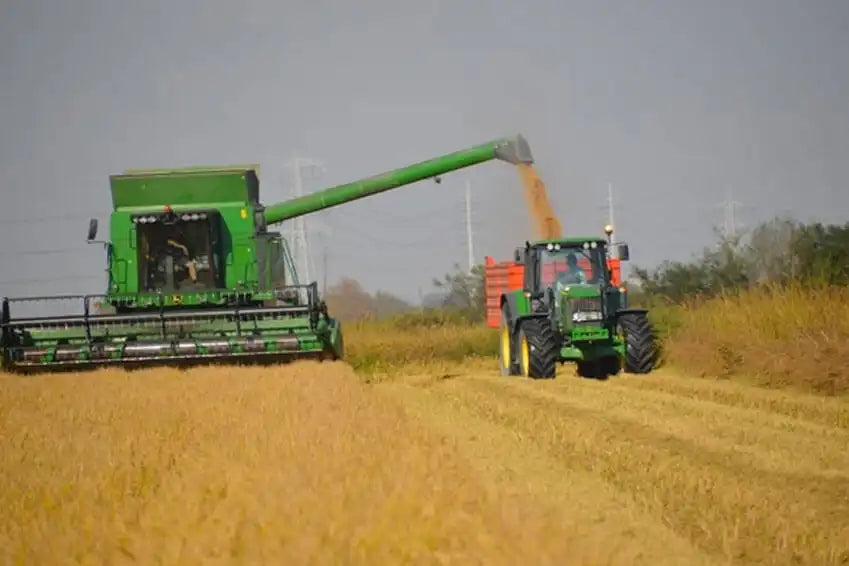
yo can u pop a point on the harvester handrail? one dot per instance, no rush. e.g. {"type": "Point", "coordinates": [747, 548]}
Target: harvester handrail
{"type": "Point", "coordinates": [312, 289]}
{"type": "Point", "coordinates": [161, 316]}
{"type": "Point", "coordinates": [157, 316]}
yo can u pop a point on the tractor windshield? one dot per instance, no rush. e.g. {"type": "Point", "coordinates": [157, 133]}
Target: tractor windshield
{"type": "Point", "coordinates": [178, 256]}
{"type": "Point", "coordinates": [572, 265]}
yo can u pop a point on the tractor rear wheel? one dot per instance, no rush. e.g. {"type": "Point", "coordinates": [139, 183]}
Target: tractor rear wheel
{"type": "Point", "coordinates": [538, 349]}
{"type": "Point", "coordinates": [639, 342]}
{"type": "Point", "coordinates": [506, 347]}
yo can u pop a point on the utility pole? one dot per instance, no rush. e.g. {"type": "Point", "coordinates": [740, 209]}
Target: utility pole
{"type": "Point", "coordinates": [298, 233]}
{"type": "Point", "coordinates": [729, 206]}
{"type": "Point", "coordinates": [324, 272]}
{"type": "Point", "coordinates": [469, 239]}
{"type": "Point", "coordinates": [299, 227]}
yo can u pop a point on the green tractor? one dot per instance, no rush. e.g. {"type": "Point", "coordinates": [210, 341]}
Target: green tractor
{"type": "Point", "coordinates": [571, 309]}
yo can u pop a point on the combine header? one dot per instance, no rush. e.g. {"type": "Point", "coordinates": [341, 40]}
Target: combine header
{"type": "Point", "coordinates": [195, 275]}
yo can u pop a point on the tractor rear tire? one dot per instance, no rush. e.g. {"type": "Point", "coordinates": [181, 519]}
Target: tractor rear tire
{"type": "Point", "coordinates": [640, 352]}
{"type": "Point", "coordinates": [506, 346]}
{"type": "Point", "coordinates": [538, 349]}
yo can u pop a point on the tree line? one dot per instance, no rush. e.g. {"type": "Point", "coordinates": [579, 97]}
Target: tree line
{"type": "Point", "coordinates": [458, 292]}
{"type": "Point", "coordinates": [777, 252]}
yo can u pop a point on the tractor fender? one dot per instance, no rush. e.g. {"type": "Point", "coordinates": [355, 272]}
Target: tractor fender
{"type": "Point", "coordinates": [515, 322]}
{"type": "Point", "coordinates": [510, 301]}
{"type": "Point", "coordinates": [631, 311]}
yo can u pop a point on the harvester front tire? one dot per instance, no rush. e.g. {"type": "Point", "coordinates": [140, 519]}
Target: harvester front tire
{"type": "Point", "coordinates": [538, 349]}
{"type": "Point", "coordinates": [640, 352]}
{"type": "Point", "coordinates": [506, 347]}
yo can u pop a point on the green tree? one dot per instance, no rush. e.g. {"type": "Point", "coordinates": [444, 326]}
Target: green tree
{"type": "Point", "coordinates": [464, 290]}
{"type": "Point", "coordinates": [719, 269]}
{"type": "Point", "coordinates": [769, 251]}
{"type": "Point", "coordinates": [778, 251]}
{"type": "Point", "coordinates": [821, 254]}
{"type": "Point", "coordinates": [347, 300]}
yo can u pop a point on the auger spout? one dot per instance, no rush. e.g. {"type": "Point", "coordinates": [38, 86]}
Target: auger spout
{"type": "Point", "coordinates": [513, 150]}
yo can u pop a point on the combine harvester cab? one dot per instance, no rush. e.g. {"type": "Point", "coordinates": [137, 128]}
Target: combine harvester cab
{"type": "Point", "coordinates": [194, 274]}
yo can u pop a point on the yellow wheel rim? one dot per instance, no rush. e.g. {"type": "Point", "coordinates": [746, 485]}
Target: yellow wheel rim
{"type": "Point", "coordinates": [505, 347]}
{"type": "Point", "coordinates": [526, 357]}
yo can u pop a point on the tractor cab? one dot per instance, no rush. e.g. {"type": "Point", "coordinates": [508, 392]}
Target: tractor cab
{"type": "Point", "coordinates": [583, 265]}
{"type": "Point", "coordinates": [561, 264]}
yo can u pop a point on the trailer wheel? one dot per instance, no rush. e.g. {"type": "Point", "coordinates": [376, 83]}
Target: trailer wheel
{"type": "Point", "coordinates": [640, 352]}
{"type": "Point", "coordinates": [505, 346]}
{"type": "Point", "coordinates": [538, 349]}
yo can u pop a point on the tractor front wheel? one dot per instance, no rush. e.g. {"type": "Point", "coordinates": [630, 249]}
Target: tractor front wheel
{"type": "Point", "coordinates": [640, 351]}
{"type": "Point", "coordinates": [505, 346]}
{"type": "Point", "coordinates": [538, 349]}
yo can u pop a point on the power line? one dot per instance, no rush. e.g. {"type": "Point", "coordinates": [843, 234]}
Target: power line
{"type": "Point", "coordinates": [51, 279]}
{"type": "Point", "coordinates": [30, 220]}
{"type": "Point", "coordinates": [42, 252]}
{"type": "Point", "coordinates": [388, 242]}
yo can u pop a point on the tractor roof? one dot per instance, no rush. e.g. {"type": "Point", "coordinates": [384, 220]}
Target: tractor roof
{"type": "Point", "coordinates": [572, 240]}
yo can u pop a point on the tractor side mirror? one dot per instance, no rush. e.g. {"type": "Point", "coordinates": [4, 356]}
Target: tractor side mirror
{"type": "Point", "coordinates": [620, 252]}
{"type": "Point", "coordinates": [518, 256]}
{"type": "Point", "coordinates": [92, 229]}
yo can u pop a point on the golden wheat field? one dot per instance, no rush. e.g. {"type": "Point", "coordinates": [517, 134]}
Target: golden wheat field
{"type": "Point", "coordinates": [418, 458]}
{"type": "Point", "coordinates": [773, 336]}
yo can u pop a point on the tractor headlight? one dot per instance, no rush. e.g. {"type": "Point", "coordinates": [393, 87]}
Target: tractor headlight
{"type": "Point", "coordinates": [586, 316]}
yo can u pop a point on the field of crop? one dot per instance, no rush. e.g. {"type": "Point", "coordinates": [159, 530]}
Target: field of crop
{"type": "Point", "coordinates": [782, 338]}
{"type": "Point", "coordinates": [424, 454]}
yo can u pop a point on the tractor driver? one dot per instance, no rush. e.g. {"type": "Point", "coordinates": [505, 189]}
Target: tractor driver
{"type": "Point", "coordinates": [573, 274]}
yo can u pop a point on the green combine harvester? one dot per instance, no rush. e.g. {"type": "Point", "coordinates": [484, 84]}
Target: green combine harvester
{"type": "Point", "coordinates": [195, 275]}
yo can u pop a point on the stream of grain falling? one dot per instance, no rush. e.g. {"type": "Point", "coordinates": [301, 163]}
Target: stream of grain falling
{"type": "Point", "coordinates": [545, 222]}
